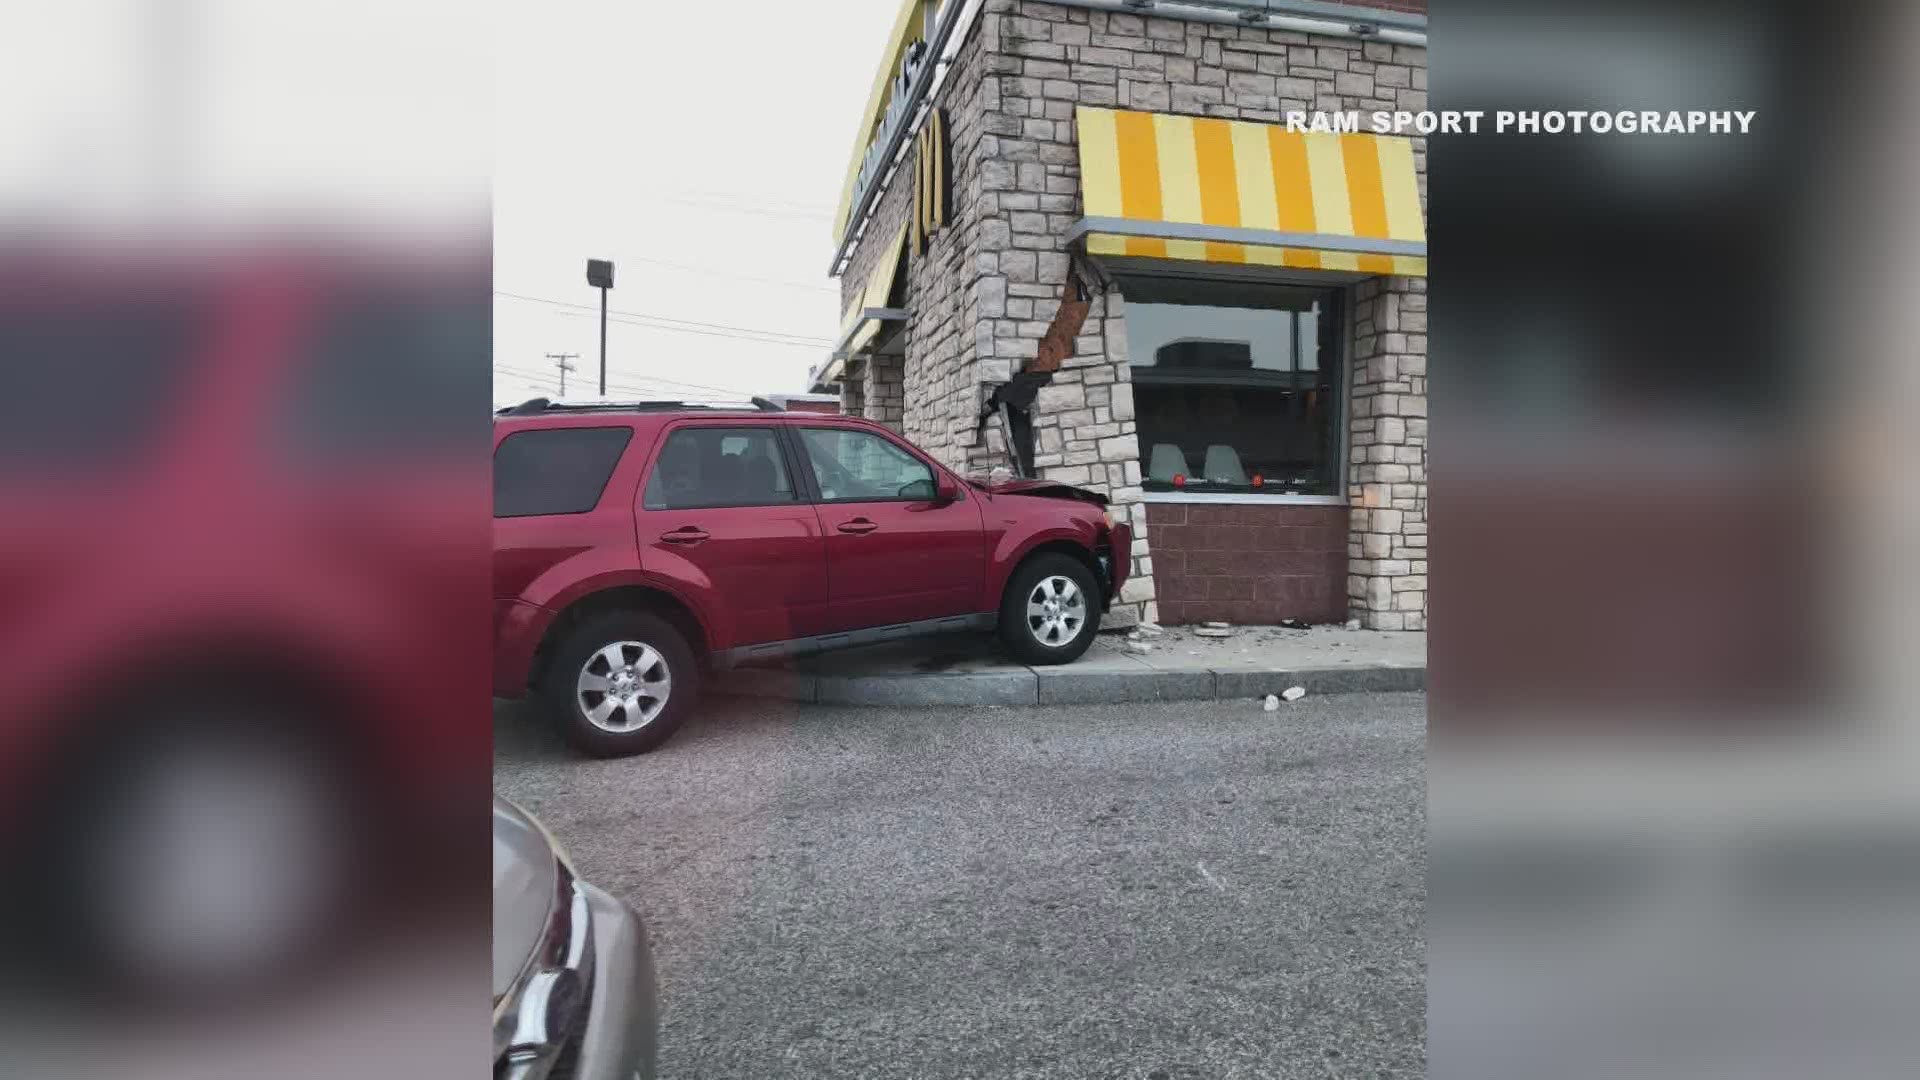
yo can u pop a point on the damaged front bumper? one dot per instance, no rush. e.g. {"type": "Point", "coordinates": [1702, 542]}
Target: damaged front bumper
{"type": "Point", "coordinates": [1116, 561]}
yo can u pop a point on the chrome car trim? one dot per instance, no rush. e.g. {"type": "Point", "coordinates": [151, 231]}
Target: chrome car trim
{"type": "Point", "coordinates": [548, 1002]}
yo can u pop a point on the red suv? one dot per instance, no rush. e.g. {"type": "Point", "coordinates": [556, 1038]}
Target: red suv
{"type": "Point", "coordinates": [638, 547]}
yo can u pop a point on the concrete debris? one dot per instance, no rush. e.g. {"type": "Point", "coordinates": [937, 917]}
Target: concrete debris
{"type": "Point", "coordinates": [1353, 624]}
{"type": "Point", "coordinates": [1139, 647]}
{"type": "Point", "coordinates": [1217, 625]}
{"type": "Point", "coordinates": [1294, 693]}
{"type": "Point", "coordinates": [1150, 628]}
{"type": "Point", "coordinates": [1211, 631]}
{"type": "Point", "coordinates": [1292, 624]}
{"type": "Point", "coordinates": [1272, 704]}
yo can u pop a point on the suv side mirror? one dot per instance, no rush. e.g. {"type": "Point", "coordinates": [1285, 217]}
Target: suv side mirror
{"type": "Point", "coordinates": [945, 490]}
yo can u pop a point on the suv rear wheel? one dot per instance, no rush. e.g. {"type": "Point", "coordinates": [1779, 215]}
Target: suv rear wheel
{"type": "Point", "coordinates": [1050, 611]}
{"type": "Point", "coordinates": [621, 683]}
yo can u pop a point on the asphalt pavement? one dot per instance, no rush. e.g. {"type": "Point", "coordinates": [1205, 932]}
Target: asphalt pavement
{"type": "Point", "coordinates": [1163, 891]}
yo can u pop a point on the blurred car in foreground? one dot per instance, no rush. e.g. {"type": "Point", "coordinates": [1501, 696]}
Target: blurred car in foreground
{"type": "Point", "coordinates": [241, 532]}
{"type": "Point", "coordinates": [573, 982]}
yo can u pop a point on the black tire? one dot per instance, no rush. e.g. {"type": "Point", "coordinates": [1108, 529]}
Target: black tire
{"type": "Point", "coordinates": [1027, 639]}
{"type": "Point", "coordinates": [255, 759]}
{"type": "Point", "coordinates": [569, 706]}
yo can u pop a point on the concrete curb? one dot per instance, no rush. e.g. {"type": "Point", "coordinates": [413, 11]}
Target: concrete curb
{"type": "Point", "coordinates": [1063, 685]}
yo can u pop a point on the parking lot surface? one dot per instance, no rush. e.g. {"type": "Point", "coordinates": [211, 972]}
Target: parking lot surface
{"type": "Point", "coordinates": [1164, 891]}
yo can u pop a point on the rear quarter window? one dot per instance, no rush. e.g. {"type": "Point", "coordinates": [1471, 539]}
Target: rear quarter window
{"type": "Point", "coordinates": [555, 470]}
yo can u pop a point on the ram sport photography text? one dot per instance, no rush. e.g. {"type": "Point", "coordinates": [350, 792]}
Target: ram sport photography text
{"type": "Point", "coordinates": [1527, 122]}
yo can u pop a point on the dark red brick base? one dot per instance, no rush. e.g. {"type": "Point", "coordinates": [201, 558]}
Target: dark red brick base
{"type": "Point", "coordinates": [1248, 563]}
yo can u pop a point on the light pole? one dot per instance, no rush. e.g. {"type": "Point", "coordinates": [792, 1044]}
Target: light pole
{"type": "Point", "coordinates": [600, 276]}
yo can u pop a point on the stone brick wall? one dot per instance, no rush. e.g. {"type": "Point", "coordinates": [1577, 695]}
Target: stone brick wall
{"type": "Point", "coordinates": [881, 390]}
{"type": "Point", "coordinates": [1250, 562]}
{"type": "Point", "coordinates": [986, 290]}
{"type": "Point", "coordinates": [1387, 456]}
{"type": "Point", "coordinates": [939, 385]}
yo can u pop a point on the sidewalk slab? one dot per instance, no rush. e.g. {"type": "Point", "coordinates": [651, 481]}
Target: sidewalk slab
{"type": "Point", "coordinates": [1172, 665]}
{"type": "Point", "coordinates": [1074, 685]}
{"type": "Point", "coordinates": [1239, 682]}
{"type": "Point", "coordinates": [1272, 648]}
{"type": "Point", "coordinates": [1018, 687]}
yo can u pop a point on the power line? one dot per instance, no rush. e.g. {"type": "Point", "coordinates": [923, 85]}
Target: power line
{"type": "Point", "coordinates": [672, 319]}
{"type": "Point", "coordinates": [530, 376]}
{"type": "Point", "coordinates": [814, 345]}
{"type": "Point", "coordinates": [730, 274]}
{"type": "Point", "coordinates": [669, 322]}
{"type": "Point", "coordinates": [629, 388]}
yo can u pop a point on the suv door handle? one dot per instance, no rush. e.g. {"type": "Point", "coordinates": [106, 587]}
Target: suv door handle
{"type": "Point", "coordinates": [858, 525]}
{"type": "Point", "coordinates": [687, 535]}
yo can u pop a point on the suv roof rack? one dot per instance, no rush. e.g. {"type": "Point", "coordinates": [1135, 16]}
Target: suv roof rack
{"type": "Point", "coordinates": [536, 406]}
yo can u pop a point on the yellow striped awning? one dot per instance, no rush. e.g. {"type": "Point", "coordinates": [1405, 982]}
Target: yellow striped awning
{"type": "Point", "coordinates": [1233, 191]}
{"type": "Point", "coordinates": [861, 322]}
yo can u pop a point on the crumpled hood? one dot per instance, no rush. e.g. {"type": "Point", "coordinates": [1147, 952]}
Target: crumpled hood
{"type": "Point", "coordinates": [1046, 489]}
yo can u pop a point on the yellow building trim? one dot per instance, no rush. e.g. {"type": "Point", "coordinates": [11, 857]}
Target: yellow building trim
{"type": "Point", "coordinates": [908, 27]}
{"type": "Point", "coordinates": [856, 331]}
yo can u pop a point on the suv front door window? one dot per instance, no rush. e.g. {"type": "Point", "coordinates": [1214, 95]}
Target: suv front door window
{"type": "Point", "coordinates": [858, 466]}
{"type": "Point", "coordinates": [895, 553]}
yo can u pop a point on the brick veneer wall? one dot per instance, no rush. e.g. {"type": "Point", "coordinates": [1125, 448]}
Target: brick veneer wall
{"type": "Point", "coordinates": [1249, 563]}
{"type": "Point", "coordinates": [881, 392]}
{"type": "Point", "coordinates": [933, 397]}
{"type": "Point", "coordinates": [1387, 455]}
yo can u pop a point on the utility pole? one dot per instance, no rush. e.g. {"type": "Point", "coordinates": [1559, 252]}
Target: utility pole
{"type": "Point", "coordinates": [564, 361]}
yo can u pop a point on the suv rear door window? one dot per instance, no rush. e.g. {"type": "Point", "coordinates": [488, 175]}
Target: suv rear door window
{"type": "Point", "coordinates": [719, 466]}
{"type": "Point", "coordinates": [859, 466]}
{"type": "Point", "coordinates": [555, 470]}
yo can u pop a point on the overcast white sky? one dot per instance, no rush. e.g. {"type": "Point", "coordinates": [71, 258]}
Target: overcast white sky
{"type": "Point", "coordinates": [701, 147]}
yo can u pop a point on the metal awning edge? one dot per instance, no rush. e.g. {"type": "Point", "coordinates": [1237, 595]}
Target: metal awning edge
{"type": "Point", "coordinates": [841, 353]}
{"type": "Point", "coordinates": [1232, 234]}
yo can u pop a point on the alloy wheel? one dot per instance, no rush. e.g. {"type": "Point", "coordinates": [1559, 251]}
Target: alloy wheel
{"type": "Point", "coordinates": [623, 687]}
{"type": "Point", "coordinates": [1056, 610]}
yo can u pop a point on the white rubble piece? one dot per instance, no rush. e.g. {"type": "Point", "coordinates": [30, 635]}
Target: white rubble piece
{"type": "Point", "coordinates": [1294, 693]}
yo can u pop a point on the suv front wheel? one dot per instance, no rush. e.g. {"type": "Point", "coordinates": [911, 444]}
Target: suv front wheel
{"type": "Point", "coordinates": [621, 683]}
{"type": "Point", "coordinates": [1050, 611]}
